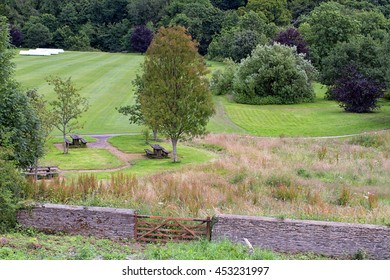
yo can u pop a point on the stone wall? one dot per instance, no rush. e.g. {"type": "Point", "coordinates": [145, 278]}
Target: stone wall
{"type": "Point", "coordinates": [97, 221]}
{"type": "Point", "coordinates": [326, 238]}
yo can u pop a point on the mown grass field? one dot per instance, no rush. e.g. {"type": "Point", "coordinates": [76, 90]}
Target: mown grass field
{"type": "Point", "coordinates": [321, 118]}
{"type": "Point", "coordinates": [106, 80]}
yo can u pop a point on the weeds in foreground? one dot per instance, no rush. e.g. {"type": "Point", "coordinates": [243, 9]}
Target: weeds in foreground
{"type": "Point", "coordinates": [262, 177]}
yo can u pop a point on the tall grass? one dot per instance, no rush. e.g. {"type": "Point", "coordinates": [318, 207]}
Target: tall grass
{"type": "Point", "coordinates": [253, 176]}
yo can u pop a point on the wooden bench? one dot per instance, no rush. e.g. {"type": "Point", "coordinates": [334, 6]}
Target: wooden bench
{"type": "Point", "coordinates": [149, 153]}
{"type": "Point", "coordinates": [165, 152]}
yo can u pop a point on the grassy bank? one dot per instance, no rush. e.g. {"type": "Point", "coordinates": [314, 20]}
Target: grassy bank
{"type": "Point", "coordinates": [32, 245]}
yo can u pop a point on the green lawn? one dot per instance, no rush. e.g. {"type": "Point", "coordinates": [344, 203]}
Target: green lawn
{"type": "Point", "coordinates": [136, 144]}
{"type": "Point", "coordinates": [106, 80]}
{"type": "Point", "coordinates": [82, 158]}
{"type": "Point", "coordinates": [130, 143]}
{"type": "Point", "coordinates": [321, 118]}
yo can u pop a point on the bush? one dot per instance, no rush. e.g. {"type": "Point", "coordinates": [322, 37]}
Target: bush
{"type": "Point", "coordinates": [11, 191]}
{"type": "Point", "coordinates": [357, 93]}
{"type": "Point", "coordinates": [274, 75]}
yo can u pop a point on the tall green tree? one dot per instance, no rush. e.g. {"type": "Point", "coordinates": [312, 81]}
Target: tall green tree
{"type": "Point", "coordinates": [67, 107]}
{"type": "Point", "coordinates": [327, 25]}
{"type": "Point", "coordinates": [18, 119]}
{"type": "Point", "coordinates": [175, 96]}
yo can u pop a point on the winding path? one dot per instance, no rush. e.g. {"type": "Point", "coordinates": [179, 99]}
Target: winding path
{"type": "Point", "coordinates": [102, 143]}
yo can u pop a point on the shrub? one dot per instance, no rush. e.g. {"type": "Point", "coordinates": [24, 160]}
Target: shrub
{"type": "Point", "coordinates": [11, 191]}
{"type": "Point", "coordinates": [274, 75]}
{"type": "Point", "coordinates": [357, 93]}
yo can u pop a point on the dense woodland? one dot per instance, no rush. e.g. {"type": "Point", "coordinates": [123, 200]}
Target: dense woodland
{"type": "Point", "coordinates": [107, 25]}
{"type": "Point", "coordinates": [328, 33]}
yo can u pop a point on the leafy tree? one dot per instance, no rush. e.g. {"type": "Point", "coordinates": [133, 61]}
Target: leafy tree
{"type": "Point", "coordinates": [141, 38]}
{"type": "Point", "coordinates": [302, 7]}
{"type": "Point", "coordinates": [372, 23]}
{"type": "Point", "coordinates": [16, 36]}
{"type": "Point", "coordinates": [357, 93]}
{"type": "Point", "coordinates": [175, 95]}
{"type": "Point", "coordinates": [275, 10]}
{"type": "Point", "coordinates": [228, 4]}
{"type": "Point", "coordinates": [292, 37]}
{"type": "Point", "coordinates": [274, 75]}
{"type": "Point", "coordinates": [365, 53]}
{"type": "Point", "coordinates": [140, 12]}
{"type": "Point", "coordinates": [238, 41]}
{"type": "Point", "coordinates": [325, 26]}
{"type": "Point", "coordinates": [67, 107]}
{"type": "Point", "coordinates": [201, 19]}
{"type": "Point", "coordinates": [37, 35]}
{"type": "Point", "coordinates": [18, 119]}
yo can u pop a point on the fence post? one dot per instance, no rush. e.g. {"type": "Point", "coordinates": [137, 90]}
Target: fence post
{"type": "Point", "coordinates": [208, 228]}
{"type": "Point", "coordinates": [135, 225]}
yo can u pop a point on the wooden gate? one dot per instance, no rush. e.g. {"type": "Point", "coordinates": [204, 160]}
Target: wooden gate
{"type": "Point", "coordinates": [164, 229]}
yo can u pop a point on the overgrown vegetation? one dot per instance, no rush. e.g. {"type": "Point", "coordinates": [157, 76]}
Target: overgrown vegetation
{"type": "Point", "coordinates": [338, 180]}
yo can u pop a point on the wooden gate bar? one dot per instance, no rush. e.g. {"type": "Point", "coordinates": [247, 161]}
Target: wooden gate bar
{"type": "Point", "coordinates": [164, 229]}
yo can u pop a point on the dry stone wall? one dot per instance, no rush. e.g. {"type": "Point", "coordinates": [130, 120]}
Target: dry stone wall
{"type": "Point", "coordinates": [97, 221]}
{"type": "Point", "coordinates": [327, 238]}
{"type": "Point", "coordinates": [285, 235]}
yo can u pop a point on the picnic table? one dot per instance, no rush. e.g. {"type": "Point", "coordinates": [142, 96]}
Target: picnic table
{"type": "Point", "coordinates": [42, 171]}
{"type": "Point", "coordinates": [77, 141]}
{"type": "Point", "coordinates": [158, 151]}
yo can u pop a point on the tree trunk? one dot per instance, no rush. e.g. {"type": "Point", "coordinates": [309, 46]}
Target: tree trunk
{"type": "Point", "coordinates": [154, 134]}
{"type": "Point", "coordinates": [174, 149]}
{"type": "Point", "coordinates": [65, 145]}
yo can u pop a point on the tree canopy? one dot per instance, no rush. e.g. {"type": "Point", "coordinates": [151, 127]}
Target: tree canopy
{"type": "Point", "coordinates": [175, 96]}
{"type": "Point", "coordinates": [18, 119]}
{"type": "Point", "coordinates": [68, 106]}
